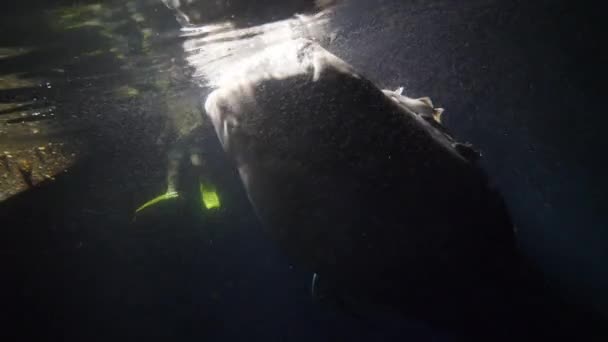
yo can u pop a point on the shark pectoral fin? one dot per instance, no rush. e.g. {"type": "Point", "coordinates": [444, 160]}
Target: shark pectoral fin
{"type": "Point", "coordinates": [209, 197]}
{"type": "Point", "coordinates": [399, 91]}
{"type": "Point", "coordinates": [164, 197]}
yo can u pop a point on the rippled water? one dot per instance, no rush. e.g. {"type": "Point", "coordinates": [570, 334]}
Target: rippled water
{"type": "Point", "coordinates": [101, 111]}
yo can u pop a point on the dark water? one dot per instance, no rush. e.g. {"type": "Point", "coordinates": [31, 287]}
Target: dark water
{"type": "Point", "coordinates": [520, 80]}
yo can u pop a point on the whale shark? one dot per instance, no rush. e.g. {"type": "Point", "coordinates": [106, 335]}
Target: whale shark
{"type": "Point", "coordinates": [364, 187]}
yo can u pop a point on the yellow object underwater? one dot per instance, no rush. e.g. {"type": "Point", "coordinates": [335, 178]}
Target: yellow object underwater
{"type": "Point", "coordinates": [163, 197]}
{"type": "Point", "coordinates": [209, 197]}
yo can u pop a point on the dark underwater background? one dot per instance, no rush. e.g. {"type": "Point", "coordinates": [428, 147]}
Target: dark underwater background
{"type": "Point", "coordinates": [84, 88]}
